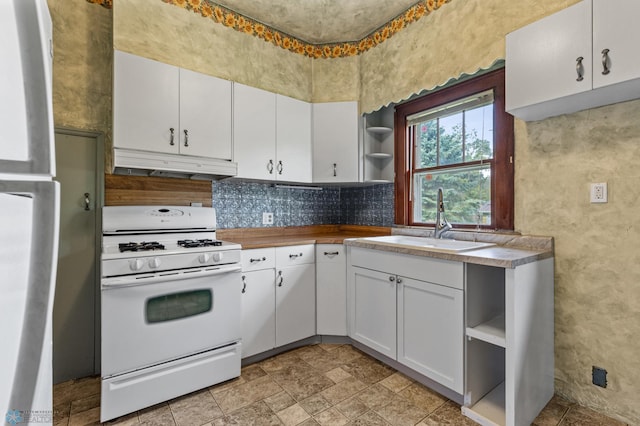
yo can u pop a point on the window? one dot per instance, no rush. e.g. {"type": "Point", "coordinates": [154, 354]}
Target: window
{"type": "Point", "coordinates": [460, 139]}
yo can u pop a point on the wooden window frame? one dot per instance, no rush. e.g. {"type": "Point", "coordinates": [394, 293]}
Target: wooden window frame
{"type": "Point", "coordinates": [502, 167]}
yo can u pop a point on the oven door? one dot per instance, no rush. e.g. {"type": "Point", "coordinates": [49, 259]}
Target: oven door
{"type": "Point", "coordinates": [153, 318]}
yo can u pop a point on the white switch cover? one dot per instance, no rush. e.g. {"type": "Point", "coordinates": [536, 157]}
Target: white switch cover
{"type": "Point", "coordinates": [599, 192]}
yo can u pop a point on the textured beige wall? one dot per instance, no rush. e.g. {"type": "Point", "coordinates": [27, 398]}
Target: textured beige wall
{"type": "Point", "coordinates": [172, 35]}
{"type": "Point", "coordinates": [81, 65]}
{"type": "Point", "coordinates": [597, 245]}
{"type": "Point", "coordinates": [336, 80]}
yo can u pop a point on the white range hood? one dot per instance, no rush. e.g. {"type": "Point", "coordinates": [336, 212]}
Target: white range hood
{"type": "Point", "coordinates": [134, 162]}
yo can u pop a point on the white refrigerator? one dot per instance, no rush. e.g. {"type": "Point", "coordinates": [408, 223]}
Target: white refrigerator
{"type": "Point", "coordinates": [29, 212]}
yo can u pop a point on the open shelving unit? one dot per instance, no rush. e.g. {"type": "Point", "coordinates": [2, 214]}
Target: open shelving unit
{"type": "Point", "coordinates": [378, 143]}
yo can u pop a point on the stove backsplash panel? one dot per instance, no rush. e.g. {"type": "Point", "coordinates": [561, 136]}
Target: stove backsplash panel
{"type": "Point", "coordinates": [240, 204]}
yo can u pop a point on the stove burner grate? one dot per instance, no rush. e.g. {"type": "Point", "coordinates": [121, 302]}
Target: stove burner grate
{"type": "Point", "coordinates": [143, 246]}
{"type": "Point", "coordinates": [199, 243]}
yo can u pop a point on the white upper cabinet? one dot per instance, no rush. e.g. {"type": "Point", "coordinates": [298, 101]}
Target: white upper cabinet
{"type": "Point", "coordinates": [165, 109]}
{"type": "Point", "coordinates": [293, 139]}
{"type": "Point", "coordinates": [254, 132]}
{"type": "Point", "coordinates": [579, 58]}
{"type": "Point", "coordinates": [272, 135]}
{"type": "Point", "coordinates": [336, 154]}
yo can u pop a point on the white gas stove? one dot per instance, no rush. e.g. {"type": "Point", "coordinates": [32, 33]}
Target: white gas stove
{"type": "Point", "coordinates": [170, 306]}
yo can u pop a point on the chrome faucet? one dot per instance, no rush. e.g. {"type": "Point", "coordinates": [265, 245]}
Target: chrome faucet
{"type": "Point", "coordinates": [442, 224]}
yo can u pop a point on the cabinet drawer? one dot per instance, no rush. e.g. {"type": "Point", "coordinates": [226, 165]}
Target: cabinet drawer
{"type": "Point", "coordinates": [256, 259]}
{"type": "Point", "coordinates": [294, 255]}
{"type": "Point", "coordinates": [330, 253]}
{"type": "Point", "coordinates": [437, 271]}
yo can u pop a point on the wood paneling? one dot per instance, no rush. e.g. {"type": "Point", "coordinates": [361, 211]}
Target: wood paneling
{"type": "Point", "coordinates": [144, 190]}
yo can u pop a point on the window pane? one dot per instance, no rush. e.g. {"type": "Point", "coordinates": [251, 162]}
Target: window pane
{"type": "Point", "coordinates": [479, 133]}
{"type": "Point", "coordinates": [427, 139]}
{"type": "Point", "coordinates": [451, 139]}
{"type": "Point", "coordinates": [467, 195]}
{"type": "Point", "coordinates": [174, 306]}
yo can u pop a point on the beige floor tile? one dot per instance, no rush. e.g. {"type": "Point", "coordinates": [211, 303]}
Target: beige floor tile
{"type": "Point", "coordinates": [369, 419]}
{"type": "Point", "coordinates": [553, 412]}
{"type": "Point", "coordinates": [337, 375]}
{"type": "Point", "coordinates": [401, 413]}
{"type": "Point", "coordinates": [423, 397]}
{"type": "Point", "coordinates": [578, 415]}
{"type": "Point", "coordinates": [315, 404]}
{"type": "Point", "coordinates": [396, 382]}
{"type": "Point", "coordinates": [330, 346]}
{"type": "Point", "coordinates": [75, 389]}
{"type": "Point", "coordinates": [89, 417]}
{"type": "Point", "coordinates": [352, 407]}
{"type": "Point", "coordinates": [61, 421]}
{"type": "Point", "coordinates": [368, 370]}
{"type": "Point", "coordinates": [376, 396]}
{"type": "Point", "coordinates": [293, 415]}
{"type": "Point", "coordinates": [279, 401]}
{"type": "Point", "coordinates": [343, 390]}
{"type": "Point", "coordinates": [61, 412]}
{"type": "Point", "coordinates": [85, 404]}
{"type": "Point", "coordinates": [309, 422]}
{"type": "Point", "coordinates": [252, 372]}
{"type": "Point", "coordinates": [227, 385]}
{"type": "Point", "coordinates": [448, 414]}
{"type": "Point", "coordinates": [257, 414]}
{"type": "Point", "coordinates": [301, 388]}
{"type": "Point", "coordinates": [331, 417]}
{"type": "Point", "coordinates": [246, 394]}
{"type": "Point", "coordinates": [128, 420]}
{"type": "Point", "coordinates": [346, 353]}
{"type": "Point", "coordinates": [154, 411]}
{"type": "Point", "coordinates": [195, 408]}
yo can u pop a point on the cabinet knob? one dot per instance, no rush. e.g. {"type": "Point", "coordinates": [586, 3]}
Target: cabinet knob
{"type": "Point", "coordinates": [399, 280]}
{"type": "Point", "coordinates": [392, 278]}
{"type": "Point", "coordinates": [605, 62]}
{"type": "Point", "coordinates": [186, 137]}
{"type": "Point", "coordinates": [172, 130]}
{"type": "Point", "coordinates": [579, 68]}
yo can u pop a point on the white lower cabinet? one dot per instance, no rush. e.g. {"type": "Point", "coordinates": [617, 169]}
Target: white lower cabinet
{"type": "Point", "coordinates": [412, 312]}
{"type": "Point", "coordinates": [331, 290]}
{"type": "Point", "coordinates": [295, 293]}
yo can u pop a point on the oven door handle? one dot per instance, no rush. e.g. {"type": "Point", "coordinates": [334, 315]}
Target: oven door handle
{"type": "Point", "coordinates": [146, 279]}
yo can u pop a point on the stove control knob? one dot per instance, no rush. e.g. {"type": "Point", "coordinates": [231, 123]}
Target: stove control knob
{"type": "Point", "coordinates": [154, 263]}
{"type": "Point", "coordinates": [136, 264]}
{"type": "Point", "coordinates": [204, 257]}
{"type": "Point", "coordinates": [217, 257]}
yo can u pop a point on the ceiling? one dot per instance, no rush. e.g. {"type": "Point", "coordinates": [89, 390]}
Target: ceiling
{"type": "Point", "coordinates": [321, 21]}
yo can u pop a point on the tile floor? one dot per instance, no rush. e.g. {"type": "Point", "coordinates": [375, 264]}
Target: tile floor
{"type": "Point", "coordinates": [313, 385]}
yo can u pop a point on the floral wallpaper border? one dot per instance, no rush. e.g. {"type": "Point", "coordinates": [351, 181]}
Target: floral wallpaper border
{"type": "Point", "coordinates": [219, 14]}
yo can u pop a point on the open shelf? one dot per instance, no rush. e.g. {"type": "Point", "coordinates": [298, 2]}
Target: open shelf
{"type": "Point", "coordinates": [491, 331]}
{"type": "Point", "coordinates": [379, 129]}
{"type": "Point", "coordinates": [378, 181]}
{"type": "Point", "coordinates": [379, 155]}
{"type": "Point", "coordinates": [490, 410]}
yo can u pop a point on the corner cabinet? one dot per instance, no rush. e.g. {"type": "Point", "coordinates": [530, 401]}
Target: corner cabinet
{"type": "Point", "coordinates": [378, 144]}
{"type": "Point", "coordinates": [162, 108]}
{"type": "Point", "coordinates": [272, 135]}
{"type": "Point", "coordinates": [331, 290]}
{"type": "Point", "coordinates": [581, 57]}
{"type": "Point", "coordinates": [336, 151]}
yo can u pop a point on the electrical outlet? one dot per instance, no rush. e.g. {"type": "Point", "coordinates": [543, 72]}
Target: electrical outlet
{"type": "Point", "coordinates": [267, 218]}
{"type": "Point", "coordinates": [599, 192]}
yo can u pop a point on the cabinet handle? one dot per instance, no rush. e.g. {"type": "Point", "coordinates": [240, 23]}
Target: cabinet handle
{"type": "Point", "coordinates": [392, 278]}
{"type": "Point", "coordinates": [280, 279]}
{"type": "Point", "coordinates": [335, 173]}
{"type": "Point", "coordinates": [252, 260]}
{"type": "Point", "coordinates": [605, 62]}
{"type": "Point", "coordinates": [280, 167]}
{"type": "Point", "coordinates": [293, 255]}
{"type": "Point", "coordinates": [171, 137]}
{"type": "Point", "coordinates": [244, 284]}
{"type": "Point", "coordinates": [331, 253]}
{"type": "Point", "coordinates": [270, 167]}
{"type": "Point", "coordinates": [579, 68]}
{"type": "Point", "coordinates": [186, 137]}
{"type": "Point", "coordinates": [399, 280]}
{"type": "Point", "coordinates": [87, 201]}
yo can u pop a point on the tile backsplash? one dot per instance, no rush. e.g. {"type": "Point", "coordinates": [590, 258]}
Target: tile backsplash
{"type": "Point", "coordinates": [240, 204]}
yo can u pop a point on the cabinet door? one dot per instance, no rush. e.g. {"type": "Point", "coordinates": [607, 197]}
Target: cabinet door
{"type": "Point", "coordinates": [615, 28]}
{"type": "Point", "coordinates": [331, 290]}
{"type": "Point", "coordinates": [254, 132]}
{"type": "Point", "coordinates": [295, 303]}
{"type": "Point", "coordinates": [205, 115]}
{"type": "Point", "coordinates": [335, 142]}
{"type": "Point", "coordinates": [372, 320]}
{"type": "Point", "coordinates": [258, 312]}
{"type": "Point", "coordinates": [541, 58]}
{"type": "Point", "coordinates": [145, 104]}
{"type": "Point", "coordinates": [293, 139]}
{"type": "Point", "coordinates": [430, 331]}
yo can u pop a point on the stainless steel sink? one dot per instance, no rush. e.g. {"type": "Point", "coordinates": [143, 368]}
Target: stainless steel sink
{"type": "Point", "coordinates": [426, 243]}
